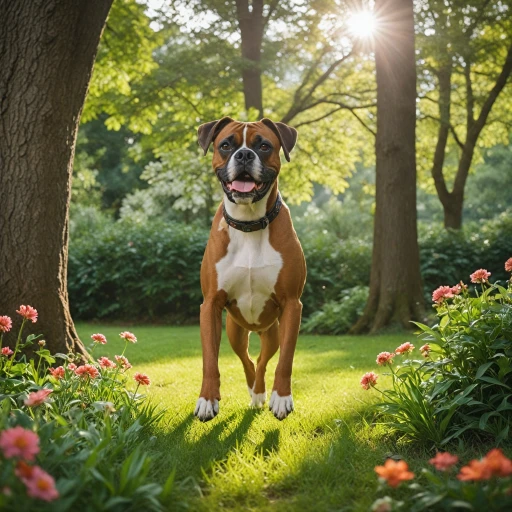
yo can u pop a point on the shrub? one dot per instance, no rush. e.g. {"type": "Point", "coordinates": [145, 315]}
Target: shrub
{"type": "Point", "coordinates": [71, 437]}
{"type": "Point", "coordinates": [464, 385]}
{"type": "Point", "coordinates": [336, 317]}
{"type": "Point", "coordinates": [480, 485]}
{"type": "Point", "coordinates": [129, 270]}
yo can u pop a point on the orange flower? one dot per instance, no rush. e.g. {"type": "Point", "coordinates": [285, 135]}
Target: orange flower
{"type": "Point", "coordinates": [497, 463]}
{"type": "Point", "coordinates": [394, 472]}
{"type": "Point", "coordinates": [475, 470]}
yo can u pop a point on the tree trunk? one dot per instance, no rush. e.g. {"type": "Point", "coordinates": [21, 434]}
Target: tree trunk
{"type": "Point", "coordinates": [47, 51]}
{"type": "Point", "coordinates": [251, 23]}
{"type": "Point", "coordinates": [395, 283]}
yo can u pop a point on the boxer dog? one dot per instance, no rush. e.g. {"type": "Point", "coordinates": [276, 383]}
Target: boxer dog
{"type": "Point", "coordinates": [253, 264]}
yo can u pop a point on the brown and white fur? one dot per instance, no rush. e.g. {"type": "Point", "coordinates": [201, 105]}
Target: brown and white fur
{"type": "Point", "coordinates": [258, 276]}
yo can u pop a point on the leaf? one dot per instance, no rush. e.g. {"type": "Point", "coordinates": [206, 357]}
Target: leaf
{"type": "Point", "coordinates": [482, 369]}
{"type": "Point", "coordinates": [491, 380]}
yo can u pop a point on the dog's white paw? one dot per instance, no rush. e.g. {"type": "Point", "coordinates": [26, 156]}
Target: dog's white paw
{"type": "Point", "coordinates": [257, 399]}
{"type": "Point", "coordinates": [280, 406]}
{"type": "Point", "coordinates": [206, 410]}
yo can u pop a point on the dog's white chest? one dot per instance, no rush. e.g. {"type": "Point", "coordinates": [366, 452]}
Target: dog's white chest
{"type": "Point", "coordinates": [248, 273]}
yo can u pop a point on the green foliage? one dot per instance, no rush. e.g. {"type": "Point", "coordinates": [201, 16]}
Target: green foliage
{"type": "Point", "coordinates": [465, 385]}
{"type": "Point", "coordinates": [91, 435]}
{"type": "Point", "coordinates": [130, 270]}
{"type": "Point", "coordinates": [442, 491]}
{"type": "Point", "coordinates": [337, 317]}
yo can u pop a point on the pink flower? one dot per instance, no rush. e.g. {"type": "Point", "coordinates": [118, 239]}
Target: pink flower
{"type": "Point", "coordinates": [385, 358]}
{"type": "Point", "coordinates": [99, 338]}
{"type": "Point", "coordinates": [480, 276]}
{"type": "Point", "coordinates": [19, 442]}
{"type": "Point", "coordinates": [28, 312]}
{"type": "Point", "coordinates": [6, 351]}
{"type": "Point", "coordinates": [457, 289]}
{"type": "Point", "coordinates": [58, 372]}
{"type": "Point", "coordinates": [87, 370]}
{"type": "Point", "coordinates": [41, 485]}
{"type": "Point", "coordinates": [128, 336]}
{"type": "Point", "coordinates": [425, 350]}
{"type": "Point", "coordinates": [368, 379]}
{"type": "Point", "coordinates": [443, 461]}
{"type": "Point", "coordinates": [6, 323]}
{"type": "Point", "coordinates": [404, 348]}
{"type": "Point", "coordinates": [105, 363]}
{"type": "Point", "coordinates": [508, 267]}
{"type": "Point", "coordinates": [441, 293]}
{"type": "Point", "coordinates": [141, 378]}
{"type": "Point", "coordinates": [123, 362]}
{"type": "Point", "coordinates": [37, 397]}
{"type": "Point", "coordinates": [72, 367]}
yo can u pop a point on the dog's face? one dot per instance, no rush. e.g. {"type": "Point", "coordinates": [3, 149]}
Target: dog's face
{"type": "Point", "coordinates": [246, 155]}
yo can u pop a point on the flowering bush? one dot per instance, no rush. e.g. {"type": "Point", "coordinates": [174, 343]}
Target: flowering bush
{"type": "Point", "coordinates": [463, 383]}
{"type": "Point", "coordinates": [71, 436]}
{"type": "Point", "coordinates": [484, 484]}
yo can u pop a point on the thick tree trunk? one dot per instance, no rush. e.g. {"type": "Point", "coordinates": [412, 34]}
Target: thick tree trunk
{"type": "Point", "coordinates": [251, 23]}
{"type": "Point", "coordinates": [395, 284]}
{"type": "Point", "coordinates": [47, 51]}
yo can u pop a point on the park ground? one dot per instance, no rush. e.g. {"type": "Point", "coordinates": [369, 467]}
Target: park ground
{"type": "Point", "coordinates": [321, 458]}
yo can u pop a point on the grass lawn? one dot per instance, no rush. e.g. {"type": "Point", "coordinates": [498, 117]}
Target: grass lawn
{"type": "Point", "coordinates": [320, 458]}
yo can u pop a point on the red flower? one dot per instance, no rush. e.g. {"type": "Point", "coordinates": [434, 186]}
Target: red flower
{"type": "Point", "coordinates": [441, 293]}
{"type": "Point", "coordinates": [41, 485]}
{"type": "Point", "coordinates": [368, 380]}
{"type": "Point", "coordinates": [508, 265]}
{"type": "Point", "coordinates": [28, 312]}
{"type": "Point", "coordinates": [480, 276]}
{"type": "Point", "coordinates": [128, 336]}
{"type": "Point", "coordinates": [385, 358]}
{"type": "Point", "coordinates": [404, 348]}
{"type": "Point", "coordinates": [99, 338]}
{"type": "Point", "coordinates": [123, 362]}
{"type": "Point", "coordinates": [141, 378]}
{"type": "Point", "coordinates": [37, 397]}
{"type": "Point", "coordinates": [5, 323]}
{"type": "Point", "coordinates": [394, 472]}
{"type": "Point", "coordinates": [105, 363]}
{"type": "Point", "coordinates": [19, 442]}
{"type": "Point", "coordinates": [6, 351]}
{"type": "Point", "coordinates": [475, 470]}
{"type": "Point", "coordinates": [498, 464]}
{"type": "Point", "coordinates": [58, 372]}
{"type": "Point", "coordinates": [443, 461]}
{"type": "Point", "coordinates": [425, 350]}
{"type": "Point", "coordinates": [87, 370]}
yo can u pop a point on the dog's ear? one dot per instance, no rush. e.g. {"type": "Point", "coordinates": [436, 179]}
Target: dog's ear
{"type": "Point", "coordinates": [208, 131]}
{"type": "Point", "coordinates": [286, 134]}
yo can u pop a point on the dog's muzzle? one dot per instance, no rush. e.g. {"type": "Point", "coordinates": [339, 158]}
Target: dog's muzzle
{"type": "Point", "coordinates": [245, 185]}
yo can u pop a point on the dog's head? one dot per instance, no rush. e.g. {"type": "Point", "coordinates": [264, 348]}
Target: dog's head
{"type": "Point", "coordinates": [246, 155]}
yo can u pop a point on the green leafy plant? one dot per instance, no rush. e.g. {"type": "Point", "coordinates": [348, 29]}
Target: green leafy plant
{"type": "Point", "coordinates": [73, 435]}
{"type": "Point", "coordinates": [483, 484]}
{"type": "Point", "coordinates": [464, 384]}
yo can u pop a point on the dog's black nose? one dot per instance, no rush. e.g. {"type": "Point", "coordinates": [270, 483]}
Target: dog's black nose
{"type": "Point", "coordinates": [244, 155]}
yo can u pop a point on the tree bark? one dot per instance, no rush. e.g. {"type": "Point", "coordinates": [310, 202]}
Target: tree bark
{"type": "Point", "coordinates": [47, 51]}
{"type": "Point", "coordinates": [252, 25]}
{"type": "Point", "coordinates": [395, 283]}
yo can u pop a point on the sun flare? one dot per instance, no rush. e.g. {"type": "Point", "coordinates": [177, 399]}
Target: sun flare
{"type": "Point", "coordinates": [362, 24]}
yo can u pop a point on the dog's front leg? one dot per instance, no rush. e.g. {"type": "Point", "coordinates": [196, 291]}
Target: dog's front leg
{"type": "Point", "coordinates": [281, 401]}
{"type": "Point", "coordinates": [207, 406]}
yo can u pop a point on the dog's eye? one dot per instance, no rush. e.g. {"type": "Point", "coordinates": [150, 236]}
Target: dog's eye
{"type": "Point", "coordinates": [265, 147]}
{"type": "Point", "coordinates": [225, 146]}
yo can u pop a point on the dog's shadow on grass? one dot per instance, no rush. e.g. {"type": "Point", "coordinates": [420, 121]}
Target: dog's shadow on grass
{"type": "Point", "coordinates": [200, 445]}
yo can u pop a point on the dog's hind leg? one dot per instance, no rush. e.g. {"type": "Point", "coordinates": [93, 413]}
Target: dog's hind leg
{"type": "Point", "coordinates": [239, 340]}
{"type": "Point", "coordinates": [269, 346]}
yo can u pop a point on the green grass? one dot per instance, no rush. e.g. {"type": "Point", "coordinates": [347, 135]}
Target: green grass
{"type": "Point", "coordinates": [320, 458]}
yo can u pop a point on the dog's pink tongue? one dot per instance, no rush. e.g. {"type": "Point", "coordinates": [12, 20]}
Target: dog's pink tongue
{"type": "Point", "coordinates": [243, 186]}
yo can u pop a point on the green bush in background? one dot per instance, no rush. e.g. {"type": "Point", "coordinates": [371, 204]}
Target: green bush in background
{"type": "Point", "coordinates": [150, 270]}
